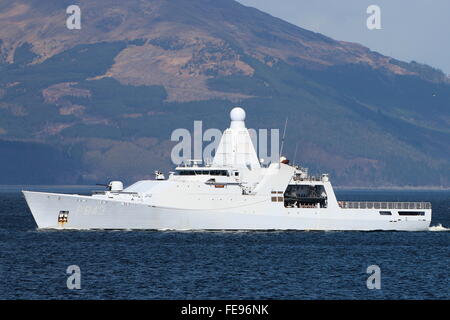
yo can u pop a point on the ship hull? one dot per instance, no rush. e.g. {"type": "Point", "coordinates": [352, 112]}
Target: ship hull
{"type": "Point", "coordinates": [86, 213]}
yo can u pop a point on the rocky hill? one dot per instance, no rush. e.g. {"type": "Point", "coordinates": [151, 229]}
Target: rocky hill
{"type": "Point", "coordinates": [105, 98]}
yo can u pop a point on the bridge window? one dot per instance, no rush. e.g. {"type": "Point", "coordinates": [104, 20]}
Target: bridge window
{"type": "Point", "coordinates": [202, 172]}
{"type": "Point", "coordinates": [186, 172]}
{"type": "Point", "coordinates": [219, 173]}
{"type": "Point", "coordinates": [411, 213]}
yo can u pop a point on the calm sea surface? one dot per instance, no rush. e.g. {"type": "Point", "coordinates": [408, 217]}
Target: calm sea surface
{"type": "Point", "coordinates": [224, 265]}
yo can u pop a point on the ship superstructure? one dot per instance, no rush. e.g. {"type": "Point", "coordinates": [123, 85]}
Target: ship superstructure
{"type": "Point", "coordinates": [233, 192]}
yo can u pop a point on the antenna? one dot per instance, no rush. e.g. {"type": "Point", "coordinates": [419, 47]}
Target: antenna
{"type": "Point", "coordinates": [295, 154]}
{"type": "Point", "coordinates": [284, 134]}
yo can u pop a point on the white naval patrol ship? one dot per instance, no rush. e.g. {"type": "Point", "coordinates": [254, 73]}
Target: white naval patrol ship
{"type": "Point", "coordinates": [234, 192]}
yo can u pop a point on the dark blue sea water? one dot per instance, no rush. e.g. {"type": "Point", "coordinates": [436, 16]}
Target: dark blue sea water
{"type": "Point", "coordinates": [224, 265]}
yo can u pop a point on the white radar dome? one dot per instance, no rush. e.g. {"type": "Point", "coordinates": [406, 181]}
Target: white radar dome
{"type": "Point", "coordinates": [237, 114]}
{"type": "Point", "coordinates": [116, 186]}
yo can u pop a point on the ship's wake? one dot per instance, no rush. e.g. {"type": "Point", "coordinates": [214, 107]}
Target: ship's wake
{"type": "Point", "coordinates": [439, 227]}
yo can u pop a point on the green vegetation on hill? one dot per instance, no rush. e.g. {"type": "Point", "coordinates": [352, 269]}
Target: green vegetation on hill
{"type": "Point", "coordinates": [23, 84]}
{"type": "Point", "coordinates": [364, 123]}
{"type": "Point", "coordinates": [335, 116]}
{"type": "Point", "coordinates": [76, 64]}
{"type": "Point", "coordinates": [113, 99]}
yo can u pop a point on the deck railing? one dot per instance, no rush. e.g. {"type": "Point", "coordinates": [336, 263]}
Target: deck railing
{"type": "Point", "coordinates": [114, 192]}
{"type": "Point", "coordinates": [310, 178]}
{"type": "Point", "coordinates": [384, 205]}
